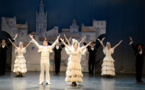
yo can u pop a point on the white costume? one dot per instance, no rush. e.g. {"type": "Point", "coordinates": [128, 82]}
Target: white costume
{"type": "Point", "coordinates": [45, 52]}
{"type": "Point", "coordinates": [74, 73]}
{"type": "Point", "coordinates": [108, 62]}
{"type": "Point", "coordinates": [20, 62]}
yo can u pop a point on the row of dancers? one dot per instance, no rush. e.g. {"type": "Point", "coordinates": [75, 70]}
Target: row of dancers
{"type": "Point", "coordinates": [75, 52]}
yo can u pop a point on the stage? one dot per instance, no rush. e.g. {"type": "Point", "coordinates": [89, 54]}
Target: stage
{"type": "Point", "coordinates": [91, 82]}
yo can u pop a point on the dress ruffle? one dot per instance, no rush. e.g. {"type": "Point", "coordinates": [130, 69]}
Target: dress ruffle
{"type": "Point", "coordinates": [20, 65]}
{"type": "Point", "coordinates": [74, 69]}
{"type": "Point", "coordinates": [108, 63]}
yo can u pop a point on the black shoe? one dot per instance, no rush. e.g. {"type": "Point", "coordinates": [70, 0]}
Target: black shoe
{"type": "Point", "coordinates": [17, 76]}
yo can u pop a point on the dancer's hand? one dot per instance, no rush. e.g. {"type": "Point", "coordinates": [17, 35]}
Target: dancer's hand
{"type": "Point", "coordinates": [31, 36]}
{"type": "Point", "coordinates": [45, 38]}
{"type": "Point", "coordinates": [15, 36]}
{"type": "Point", "coordinates": [58, 36]}
{"type": "Point", "coordinates": [70, 39]}
{"type": "Point", "coordinates": [9, 39]}
{"type": "Point", "coordinates": [103, 39]}
{"type": "Point", "coordinates": [130, 39]}
{"type": "Point", "coordinates": [120, 41]}
{"type": "Point", "coordinates": [61, 39]}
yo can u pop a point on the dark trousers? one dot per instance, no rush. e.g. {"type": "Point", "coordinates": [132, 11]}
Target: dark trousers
{"type": "Point", "coordinates": [2, 65]}
{"type": "Point", "coordinates": [91, 66]}
{"type": "Point", "coordinates": [57, 65]}
{"type": "Point", "coordinates": [139, 67]}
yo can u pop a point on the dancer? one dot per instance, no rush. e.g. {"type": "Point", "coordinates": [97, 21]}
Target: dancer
{"type": "Point", "coordinates": [45, 52]}
{"type": "Point", "coordinates": [57, 55]}
{"type": "Point", "coordinates": [92, 49]}
{"type": "Point", "coordinates": [73, 73]}
{"type": "Point", "coordinates": [139, 52]}
{"type": "Point", "coordinates": [20, 62]}
{"type": "Point", "coordinates": [108, 62]}
{"type": "Point", "coordinates": [3, 54]}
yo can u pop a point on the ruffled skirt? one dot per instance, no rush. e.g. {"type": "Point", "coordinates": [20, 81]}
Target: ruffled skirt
{"type": "Point", "coordinates": [108, 66]}
{"type": "Point", "coordinates": [20, 65]}
{"type": "Point", "coordinates": [74, 73]}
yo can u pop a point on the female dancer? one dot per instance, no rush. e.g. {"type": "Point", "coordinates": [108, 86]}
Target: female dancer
{"type": "Point", "coordinates": [45, 52]}
{"type": "Point", "coordinates": [108, 62]}
{"type": "Point", "coordinates": [73, 73]}
{"type": "Point", "coordinates": [20, 62]}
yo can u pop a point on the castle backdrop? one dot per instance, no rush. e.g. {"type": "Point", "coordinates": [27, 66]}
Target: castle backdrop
{"type": "Point", "coordinates": [11, 26]}
{"type": "Point", "coordinates": [123, 18]}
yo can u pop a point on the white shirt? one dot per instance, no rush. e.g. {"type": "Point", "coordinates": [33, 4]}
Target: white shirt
{"type": "Point", "coordinates": [140, 51]}
{"type": "Point", "coordinates": [3, 45]}
{"type": "Point", "coordinates": [57, 46]}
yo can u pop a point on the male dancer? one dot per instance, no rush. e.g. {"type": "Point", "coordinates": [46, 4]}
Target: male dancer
{"type": "Point", "coordinates": [3, 54]}
{"type": "Point", "coordinates": [139, 52]}
{"type": "Point", "coordinates": [45, 51]}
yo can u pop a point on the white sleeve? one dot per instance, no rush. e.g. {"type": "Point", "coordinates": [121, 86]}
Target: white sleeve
{"type": "Point", "coordinates": [68, 50]}
{"type": "Point", "coordinates": [84, 51]}
{"type": "Point", "coordinates": [24, 50]}
{"type": "Point", "coordinates": [36, 43]}
{"type": "Point", "coordinates": [53, 45]}
{"type": "Point", "coordinates": [104, 50]}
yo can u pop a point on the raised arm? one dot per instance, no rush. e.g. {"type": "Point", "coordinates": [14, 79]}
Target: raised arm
{"type": "Point", "coordinates": [132, 44]}
{"type": "Point", "coordinates": [56, 41]}
{"type": "Point", "coordinates": [34, 41]}
{"type": "Point", "coordinates": [86, 46]}
{"type": "Point", "coordinates": [28, 45]}
{"type": "Point", "coordinates": [13, 43]}
{"type": "Point", "coordinates": [64, 42]}
{"type": "Point", "coordinates": [117, 44]}
{"type": "Point", "coordinates": [83, 39]}
{"type": "Point", "coordinates": [9, 44]}
{"type": "Point", "coordinates": [101, 42]}
{"type": "Point", "coordinates": [67, 40]}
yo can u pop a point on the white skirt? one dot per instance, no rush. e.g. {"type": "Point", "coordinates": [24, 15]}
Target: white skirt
{"type": "Point", "coordinates": [20, 65]}
{"type": "Point", "coordinates": [74, 73]}
{"type": "Point", "coordinates": [108, 66]}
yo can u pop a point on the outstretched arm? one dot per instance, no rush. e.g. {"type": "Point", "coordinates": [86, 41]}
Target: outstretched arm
{"type": "Point", "coordinates": [86, 46]}
{"type": "Point", "coordinates": [132, 44]}
{"type": "Point", "coordinates": [117, 44]}
{"type": "Point", "coordinates": [28, 45]}
{"type": "Point", "coordinates": [82, 39]}
{"type": "Point", "coordinates": [101, 42]}
{"type": "Point", "coordinates": [53, 45]}
{"type": "Point", "coordinates": [13, 43]}
{"type": "Point", "coordinates": [34, 41]}
{"type": "Point", "coordinates": [64, 43]}
{"type": "Point", "coordinates": [9, 44]}
{"type": "Point", "coordinates": [67, 40]}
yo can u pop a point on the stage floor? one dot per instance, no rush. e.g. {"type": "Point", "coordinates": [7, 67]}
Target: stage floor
{"type": "Point", "coordinates": [96, 82]}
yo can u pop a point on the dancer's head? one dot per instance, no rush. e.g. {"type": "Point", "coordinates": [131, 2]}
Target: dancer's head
{"type": "Point", "coordinates": [3, 41]}
{"type": "Point", "coordinates": [21, 45]}
{"type": "Point", "coordinates": [75, 45]}
{"type": "Point", "coordinates": [140, 46]}
{"type": "Point", "coordinates": [45, 43]}
{"type": "Point", "coordinates": [92, 43]}
{"type": "Point", "coordinates": [108, 45]}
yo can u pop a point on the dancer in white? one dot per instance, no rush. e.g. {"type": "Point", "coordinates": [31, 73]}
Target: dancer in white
{"type": "Point", "coordinates": [20, 62]}
{"type": "Point", "coordinates": [108, 62]}
{"type": "Point", "coordinates": [73, 73]}
{"type": "Point", "coordinates": [45, 52]}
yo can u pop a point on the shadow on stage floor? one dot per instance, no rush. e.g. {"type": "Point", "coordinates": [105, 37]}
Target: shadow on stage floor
{"type": "Point", "coordinates": [91, 82]}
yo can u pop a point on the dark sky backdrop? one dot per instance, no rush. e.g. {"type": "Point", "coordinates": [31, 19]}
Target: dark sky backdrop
{"type": "Point", "coordinates": [124, 18]}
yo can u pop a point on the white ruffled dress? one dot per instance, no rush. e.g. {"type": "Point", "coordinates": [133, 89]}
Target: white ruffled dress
{"type": "Point", "coordinates": [74, 69]}
{"type": "Point", "coordinates": [108, 63]}
{"type": "Point", "coordinates": [20, 62]}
